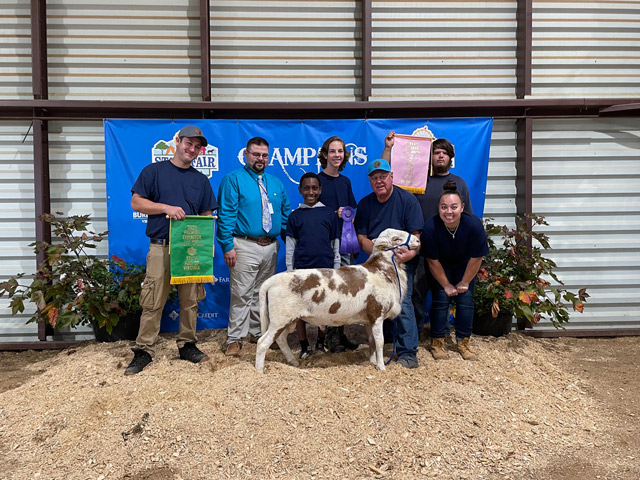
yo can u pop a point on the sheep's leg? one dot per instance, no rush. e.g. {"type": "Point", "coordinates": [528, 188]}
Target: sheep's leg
{"type": "Point", "coordinates": [263, 345]}
{"type": "Point", "coordinates": [378, 338]}
{"type": "Point", "coordinates": [372, 345]}
{"type": "Point", "coordinates": [284, 346]}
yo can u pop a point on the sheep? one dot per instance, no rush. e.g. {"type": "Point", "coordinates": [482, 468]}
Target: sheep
{"type": "Point", "coordinates": [367, 293]}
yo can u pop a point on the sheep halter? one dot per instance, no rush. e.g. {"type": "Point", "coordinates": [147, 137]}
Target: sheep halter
{"type": "Point", "coordinates": [393, 260]}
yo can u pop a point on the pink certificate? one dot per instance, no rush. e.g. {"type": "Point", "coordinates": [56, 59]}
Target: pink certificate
{"type": "Point", "coordinates": [410, 160]}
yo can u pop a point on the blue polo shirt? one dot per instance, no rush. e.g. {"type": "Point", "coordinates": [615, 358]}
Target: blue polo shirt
{"type": "Point", "coordinates": [240, 210]}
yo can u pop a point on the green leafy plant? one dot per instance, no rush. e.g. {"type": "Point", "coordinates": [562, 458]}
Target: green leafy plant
{"type": "Point", "coordinates": [515, 277]}
{"type": "Point", "coordinates": [72, 286]}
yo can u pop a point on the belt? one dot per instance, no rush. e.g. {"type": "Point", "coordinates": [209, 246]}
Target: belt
{"type": "Point", "coordinates": [159, 241]}
{"type": "Point", "coordinates": [262, 241]}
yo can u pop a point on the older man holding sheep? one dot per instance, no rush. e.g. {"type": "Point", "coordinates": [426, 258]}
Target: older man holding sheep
{"type": "Point", "coordinates": [389, 206]}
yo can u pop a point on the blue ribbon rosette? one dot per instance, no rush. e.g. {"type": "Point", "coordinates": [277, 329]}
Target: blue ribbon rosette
{"type": "Point", "coordinates": [349, 240]}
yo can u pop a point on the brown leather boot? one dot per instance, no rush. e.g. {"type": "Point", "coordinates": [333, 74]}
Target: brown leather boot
{"type": "Point", "coordinates": [437, 349]}
{"type": "Point", "coordinates": [464, 349]}
{"type": "Point", "coordinates": [233, 349]}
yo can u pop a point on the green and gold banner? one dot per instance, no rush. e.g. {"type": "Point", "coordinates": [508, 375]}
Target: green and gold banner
{"type": "Point", "coordinates": [191, 250]}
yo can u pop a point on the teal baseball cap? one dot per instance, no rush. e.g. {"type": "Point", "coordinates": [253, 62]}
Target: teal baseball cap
{"type": "Point", "coordinates": [379, 164]}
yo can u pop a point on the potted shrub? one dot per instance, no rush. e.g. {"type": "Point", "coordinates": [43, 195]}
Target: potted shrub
{"type": "Point", "coordinates": [514, 281]}
{"type": "Point", "coordinates": [72, 286]}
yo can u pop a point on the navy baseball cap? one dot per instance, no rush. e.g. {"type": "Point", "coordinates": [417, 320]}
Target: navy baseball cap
{"type": "Point", "coordinates": [191, 131]}
{"type": "Point", "coordinates": [379, 164]}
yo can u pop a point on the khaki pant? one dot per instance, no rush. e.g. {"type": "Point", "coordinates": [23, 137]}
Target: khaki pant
{"type": "Point", "coordinates": [254, 264]}
{"type": "Point", "coordinates": [153, 296]}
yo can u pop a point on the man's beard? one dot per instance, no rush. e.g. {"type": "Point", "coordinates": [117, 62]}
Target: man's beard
{"type": "Point", "coordinates": [441, 169]}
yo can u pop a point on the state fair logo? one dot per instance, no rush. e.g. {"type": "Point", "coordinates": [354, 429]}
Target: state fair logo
{"type": "Point", "coordinates": [206, 162]}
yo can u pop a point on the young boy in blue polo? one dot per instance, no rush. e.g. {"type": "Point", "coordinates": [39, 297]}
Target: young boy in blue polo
{"type": "Point", "coordinates": [312, 242]}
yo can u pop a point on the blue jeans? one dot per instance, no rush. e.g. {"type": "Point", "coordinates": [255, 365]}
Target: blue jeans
{"type": "Point", "coordinates": [406, 332]}
{"type": "Point", "coordinates": [421, 296]}
{"type": "Point", "coordinates": [440, 312]}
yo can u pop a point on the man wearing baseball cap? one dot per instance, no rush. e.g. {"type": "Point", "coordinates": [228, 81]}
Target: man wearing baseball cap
{"type": "Point", "coordinates": [170, 189]}
{"type": "Point", "coordinates": [391, 207]}
{"type": "Point", "coordinates": [442, 158]}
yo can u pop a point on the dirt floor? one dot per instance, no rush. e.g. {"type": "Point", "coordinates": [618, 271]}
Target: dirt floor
{"type": "Point", "coordinates": [528, 408]}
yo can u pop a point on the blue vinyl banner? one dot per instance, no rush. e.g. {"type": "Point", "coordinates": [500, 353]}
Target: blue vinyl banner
{"type": "Point", "coordinates": [130, 145]}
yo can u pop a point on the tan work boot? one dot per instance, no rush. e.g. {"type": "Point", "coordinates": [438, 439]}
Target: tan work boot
{"type": "Point", "coordinates": [437, 349]}
{"type": "Point", "coordinates": [464, 349]}
{"type": "Point", "coordinates": [233, 349]}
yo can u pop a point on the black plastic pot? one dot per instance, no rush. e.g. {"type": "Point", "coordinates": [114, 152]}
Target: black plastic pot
{"type": "Point", "coordinates": [495, 327]}
{"type": "Point", "coordinates": [126, 329]}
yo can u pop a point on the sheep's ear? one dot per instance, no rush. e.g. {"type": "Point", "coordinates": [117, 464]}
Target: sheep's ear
{"type": "Point", "coordinates": [381, 244]}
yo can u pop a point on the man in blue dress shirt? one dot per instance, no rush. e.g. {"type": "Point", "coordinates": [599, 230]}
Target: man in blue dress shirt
{"type": "Point", "coordinates": [253, 211]}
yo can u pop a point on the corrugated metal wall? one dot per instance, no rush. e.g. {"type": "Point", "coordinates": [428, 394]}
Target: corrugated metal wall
{"type": "Point", "coordinates": [586, 182]}
{"type": "Point", "coordinates": [76, 157]}
{"type": "Point", "coordinates": [124, 49]}
{"type": "Point", "coordinates": [500, 203]}
{"type": "Point", "coordinates": [586, 49]}
{"type": "Point", "coordinates": [78, 178]}
{"type": "Point", "coordinates": [17, 213]}
{"type": "Point", "coordinates": [585, 171]}
{"type": "Point", "coordinates": [15, 50]}
{"type": "Point", "coordinates": [286, 50]}
{"type": "Point", "coordinates": [429, 50]}
{"type": "Point", "coordinates": [77, 172]}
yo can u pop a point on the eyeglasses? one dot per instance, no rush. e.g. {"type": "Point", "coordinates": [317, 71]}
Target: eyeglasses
{"type": "Point", "coordinates": [257, 155]}
{"type": "Point", "coordinates": [380, 176]}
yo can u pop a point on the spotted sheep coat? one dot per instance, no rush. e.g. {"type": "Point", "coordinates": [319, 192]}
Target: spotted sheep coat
{"type": "Point", "coordinates": [366, 294]}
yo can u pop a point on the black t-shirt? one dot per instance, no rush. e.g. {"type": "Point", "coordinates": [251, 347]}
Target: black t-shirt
{"type": "Point", "coordinates": [163, 182]}
{"type": "Point", "coordinates": [429, 199]}
{"type": "Point", "coordinates": [454, 253]}
{"type": "Point", "coordinates": [336, 191]}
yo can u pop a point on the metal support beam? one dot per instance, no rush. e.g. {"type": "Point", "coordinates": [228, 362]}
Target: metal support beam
{"type": "Point", "coordinates": [205, 50]}
{"type": "Point", "coordinates": [631, 109]}
{"type": "Point", "coordinates": [524, 168]}
{"type": "Point", "coordinates": [515, 108]}
{"type": "Point", "coordinates": [524, 176]}
{"type": "Point", "coordinates": [39, 49]}
{"type": "Point", "coordinates": [524, 42]}
{"type": "Point", "coordinates": [584, 333]}
{"type": "Point", "coordinates": [42, 194]}
{"type": "Point", "coordinates": [366, 50]}
{"type": "Point", "coordinates": [40, 89]}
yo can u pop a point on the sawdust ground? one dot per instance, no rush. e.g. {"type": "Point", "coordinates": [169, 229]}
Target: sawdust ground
{"type": "Point", "coordinates": [529, 408]}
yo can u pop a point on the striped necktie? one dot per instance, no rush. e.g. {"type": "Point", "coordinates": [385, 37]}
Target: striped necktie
{"type": "Point", "coordinates": [266, 215]}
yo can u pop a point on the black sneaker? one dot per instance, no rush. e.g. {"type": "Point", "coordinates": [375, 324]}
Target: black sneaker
{"type": "Point", "coordinates": [140, 360]}
{"type": "Point", "coordinates": [332, 338]}
{"type": "Point", "coordinates": [408, 362]}
{"type": "Point", "coordinates": [348, 344]}
{"type": "Point", "coordinates": [306, 353]}
{"type": "Point", "coordinates": [190, 352]}
{"type": "Point", "coordinates": [320, 346]}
